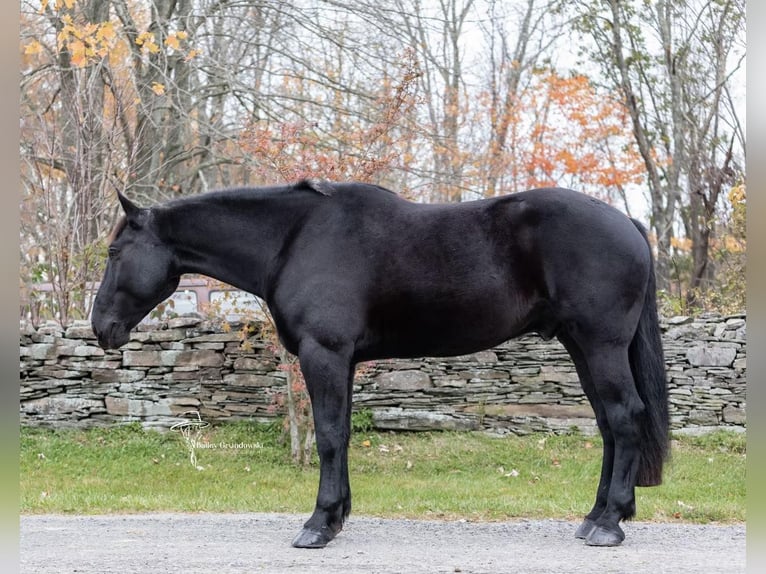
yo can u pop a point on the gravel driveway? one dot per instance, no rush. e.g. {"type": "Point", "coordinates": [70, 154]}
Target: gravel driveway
{"type": "Point", "coordinates": [229, 543]}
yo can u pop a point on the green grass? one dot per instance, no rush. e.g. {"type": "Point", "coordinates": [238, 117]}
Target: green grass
{"type": "Point", "coordinates": [419, 475]}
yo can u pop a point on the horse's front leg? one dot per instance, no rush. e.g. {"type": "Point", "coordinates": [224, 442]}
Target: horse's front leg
{"type": "Point", "coordinates": [328, 374]}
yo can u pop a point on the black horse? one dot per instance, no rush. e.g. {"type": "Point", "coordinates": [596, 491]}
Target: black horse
{"type": "Point", "coordinates": [352, 272]}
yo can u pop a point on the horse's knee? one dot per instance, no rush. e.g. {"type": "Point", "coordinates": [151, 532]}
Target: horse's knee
{"type": "Point", "coordinates": [328, 447]}
{"type": "Point", "coordinates": [625, 419]}
{"type": "Point", "coordinates": [626, 410]}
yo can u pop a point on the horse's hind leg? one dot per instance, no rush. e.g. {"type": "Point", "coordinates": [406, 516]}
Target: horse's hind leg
{"type": "Point", "coordinates": [613, 383]}
{"type": "Point", "coordinates": [607, 460]}
{"type": "Point", "coordinates": [328, 375]}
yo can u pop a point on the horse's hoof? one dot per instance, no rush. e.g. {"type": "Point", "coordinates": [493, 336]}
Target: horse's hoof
{"type": "Point", "coordinates": [308, 538]}
{"type": "Point", "coordinates": [585, 528]}
{"type": "Point", "coordinates": [600, 536]}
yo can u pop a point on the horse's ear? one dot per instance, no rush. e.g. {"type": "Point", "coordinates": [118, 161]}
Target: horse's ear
{"type": "Point", "coordinates": [131, 210]}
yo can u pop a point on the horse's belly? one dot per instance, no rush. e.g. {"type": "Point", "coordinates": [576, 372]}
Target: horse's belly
{"type": "Point", "coordinates": [412, 327]}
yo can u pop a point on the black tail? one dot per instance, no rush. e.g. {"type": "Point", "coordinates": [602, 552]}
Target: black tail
{"type": "Point", "coordinates": [647, 363]}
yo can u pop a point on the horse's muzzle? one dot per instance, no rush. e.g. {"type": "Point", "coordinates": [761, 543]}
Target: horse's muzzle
{"type": "Point", "coordinates": [112, 336]}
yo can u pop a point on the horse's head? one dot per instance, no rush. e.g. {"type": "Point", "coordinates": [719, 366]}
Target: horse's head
{"type": "Point", "coordinates": [140, 273]}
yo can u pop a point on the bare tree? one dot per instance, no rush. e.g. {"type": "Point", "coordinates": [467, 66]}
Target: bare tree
{"type": "Point", "coordinates": [165, 97]}
{"type": "Point", "coordinates": [145, 96]}
{"type": "Point", "coordinates": [673, 63]}
{"type": "Point", "coordinates": [64, 139]}
{"type": "Point", "coordinates": [513, 51]}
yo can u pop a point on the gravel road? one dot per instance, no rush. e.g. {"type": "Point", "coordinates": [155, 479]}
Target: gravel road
{"type": "Point", "coordinates": [234, 543]}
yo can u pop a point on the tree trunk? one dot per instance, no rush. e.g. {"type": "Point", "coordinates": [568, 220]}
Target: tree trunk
{"type": "Point", "coordinates": [300, 421]}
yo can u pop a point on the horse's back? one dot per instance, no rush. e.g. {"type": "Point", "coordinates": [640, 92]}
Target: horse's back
{"type": "Point", "coordinates": [423, 279]}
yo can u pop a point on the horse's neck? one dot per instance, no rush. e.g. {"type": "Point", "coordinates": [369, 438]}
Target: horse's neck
{"type": "Point", "coordinates": [234, 242]}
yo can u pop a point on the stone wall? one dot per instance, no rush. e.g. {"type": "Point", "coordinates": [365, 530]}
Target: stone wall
{"type": "Point", "coordinates": [525, 385]}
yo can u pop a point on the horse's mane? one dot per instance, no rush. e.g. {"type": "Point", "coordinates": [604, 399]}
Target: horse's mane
{"type": "Point", "coordinates": [326, 188]}
{"type": "Point", "coordinates": [320, 186]}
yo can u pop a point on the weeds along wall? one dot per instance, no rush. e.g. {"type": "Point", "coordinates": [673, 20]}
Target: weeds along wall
{"type": "Point", "coordinates": [522, 386]}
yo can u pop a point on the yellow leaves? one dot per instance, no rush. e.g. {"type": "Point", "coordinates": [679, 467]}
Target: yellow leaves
{"type": "Point", "coordinates": [733, 244]}
{"type": "Point", "coordinates": [106, 32]}
{"type": "Point", "coordinates": [34, 47]}
{"type": "Point", "coordinates": [681, 243]}
{"type": "Point", "coordinates": [158, 88]}
{"type": "Point", "coordinates": [738, 194]}
{"type": "Point", "coordinates": [57, 5]}
{"type": "Point", "coordinates": [147, 43]}
{"type": "Point", "coordinates": [174, 39]}
{"type": "Point", "coordinates": [738, 199]}
{"type": "Point", "coordinates": [89, 41]}
{"type": "Point", "coordinates": [173, 42]}
{"type": "Point", "coordinates": [85, 42]}
{"type": "Point", "coordinates": [79, 52]}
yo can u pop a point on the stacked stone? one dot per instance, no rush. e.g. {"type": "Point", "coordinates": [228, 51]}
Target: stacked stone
{"type": "Point", "coordinates": [706, 358]}
{"type": "Point", "coordinates": [186, 364]}
{"type": "Point", "coordinates": [522, 386]}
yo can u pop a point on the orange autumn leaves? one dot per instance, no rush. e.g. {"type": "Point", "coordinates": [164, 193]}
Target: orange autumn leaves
{"type": "Point", "coordinates": [561, 130]}
{"type": "Point", "coordinates": [564, 132]}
